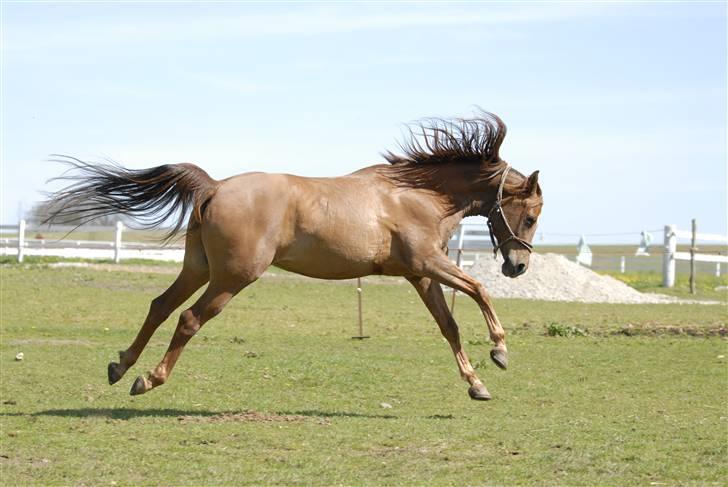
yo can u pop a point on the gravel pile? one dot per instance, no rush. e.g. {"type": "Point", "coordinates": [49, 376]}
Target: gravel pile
{"type": "Point", "coordinates": [552, 277]}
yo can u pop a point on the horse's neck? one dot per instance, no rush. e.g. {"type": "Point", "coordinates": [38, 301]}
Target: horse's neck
{"type": "Point", "coordinates": [453, 208]}
{"type": "Point", "coordinates": [468, 196]}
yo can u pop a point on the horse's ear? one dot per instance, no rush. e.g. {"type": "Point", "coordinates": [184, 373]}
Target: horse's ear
{"type": "Point", "coordinates": [532, 187]}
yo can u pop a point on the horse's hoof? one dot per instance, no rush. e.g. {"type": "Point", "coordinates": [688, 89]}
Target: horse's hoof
{"type": "Point", "coordinates": [115, 373]}
{"type": "Point", "coordinates": [139, 386]}
{"type": "Point", "coordinates": [499, 357]}
{"type": "Point", "coordinates": [479, 393]}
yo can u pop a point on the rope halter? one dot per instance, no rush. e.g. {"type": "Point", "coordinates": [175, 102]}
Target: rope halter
{"type": "Point", "coordinates": [498, 210]}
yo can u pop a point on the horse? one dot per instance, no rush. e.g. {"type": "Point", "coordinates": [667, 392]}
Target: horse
{"type": "Point", "coordinates": [394, 219]}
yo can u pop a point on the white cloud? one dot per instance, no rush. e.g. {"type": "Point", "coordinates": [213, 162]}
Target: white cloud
{"type": "Point", "coordinates": [246, 23]}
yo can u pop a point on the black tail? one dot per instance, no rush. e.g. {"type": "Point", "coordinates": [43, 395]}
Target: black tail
{"type": "Point", "coordinates": [151, 196]}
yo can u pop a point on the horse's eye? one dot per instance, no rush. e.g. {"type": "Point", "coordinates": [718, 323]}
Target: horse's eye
{"type": "Point", "coordinates": [530, 221]}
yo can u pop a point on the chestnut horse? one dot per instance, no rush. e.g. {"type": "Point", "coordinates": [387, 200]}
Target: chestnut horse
{"type": "Point", "coordinates": [393, 219]}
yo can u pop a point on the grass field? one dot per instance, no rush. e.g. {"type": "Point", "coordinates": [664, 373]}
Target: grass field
{"type": "Point", "coordinates": [274, 391]}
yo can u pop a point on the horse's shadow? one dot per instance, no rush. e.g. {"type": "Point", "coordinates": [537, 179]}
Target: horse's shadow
{"type": "Point", "coordinates": [126, 414]}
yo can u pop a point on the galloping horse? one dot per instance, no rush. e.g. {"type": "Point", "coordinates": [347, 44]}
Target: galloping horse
{"type": "Point", "coordinates": [393, 219]}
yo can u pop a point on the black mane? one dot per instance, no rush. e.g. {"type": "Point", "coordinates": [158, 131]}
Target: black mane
{"type": "Point", "coordinates": [462, 140]}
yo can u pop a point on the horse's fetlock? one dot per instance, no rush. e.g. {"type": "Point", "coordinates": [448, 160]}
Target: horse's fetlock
{"type": "Point", "coordinates": [498, 338]}
{"type": "Point", "coordinates": [126, 360]}
{"type": "Point", "coordinates": [156, 378]}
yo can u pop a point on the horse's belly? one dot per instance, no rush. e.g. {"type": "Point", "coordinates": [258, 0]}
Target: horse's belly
{"type": "Point", "coordinates": [313, 257]}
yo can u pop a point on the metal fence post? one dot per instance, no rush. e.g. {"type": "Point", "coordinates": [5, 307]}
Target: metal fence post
{"type": "Point", "coordinates": [622, 264]}
{"type": "Point", "coordinates": [668, 256]}
{"type": "Point", "coordinates": [717, 269]}
{"type": "Point", "coordinates": [693, 249]}
{"type": "Point", "coordinates": [21, 240]}
{"type": "Point", "coordinates": [359, 291]}
{"type": "Point", "coordinates": [458, 262]}
{"type": "Point", "coordinates": [117, 242]}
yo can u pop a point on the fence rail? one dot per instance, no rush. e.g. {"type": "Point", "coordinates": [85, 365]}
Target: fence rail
{"type": "Point", "coordinates": [469, 243]}
{"type": "Point", "coordinates": [671, 254]}
{"type": "Point", "coordinates": [115, 249]}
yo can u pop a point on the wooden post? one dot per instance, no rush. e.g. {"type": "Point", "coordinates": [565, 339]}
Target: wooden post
{"type": "Point", "coordinates": [21, 240]}
{"type": "Point", "coordinates": [668, 257]}
{"type": "Point", "coordinates": [361, 335]}
{"type": "Point", "coordinates": [693, 249]}
{"type": "Point", "coordinates": [458, 262]}
{"type": "Point", "coordinates": [117, 242]}
{"type": "Point", "coordinates": [454, 291]}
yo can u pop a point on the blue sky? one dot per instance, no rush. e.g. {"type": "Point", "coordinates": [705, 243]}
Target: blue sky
{"type": "Point", "coordinates": [622, 106]}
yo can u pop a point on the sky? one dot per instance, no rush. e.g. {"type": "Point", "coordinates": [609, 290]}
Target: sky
{"type": "Point", "coordinates": [621, 106]}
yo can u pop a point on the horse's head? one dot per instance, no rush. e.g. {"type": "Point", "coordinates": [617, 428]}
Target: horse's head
{"type": "Point", "coordinates": [512, 220]}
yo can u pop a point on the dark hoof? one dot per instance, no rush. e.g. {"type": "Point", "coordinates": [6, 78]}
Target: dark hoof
{"type": "Point", "coordinates": [115, 373]}
{"type": "Point", "coordinates": [479, 393]}
{"type": "Point", "coordinates": [499, 357]}
{"type": "Point", "coordinates": [139, 386]}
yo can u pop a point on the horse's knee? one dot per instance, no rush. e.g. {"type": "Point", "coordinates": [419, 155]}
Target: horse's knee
{"type": "Point", "coordinates": [482, 293]}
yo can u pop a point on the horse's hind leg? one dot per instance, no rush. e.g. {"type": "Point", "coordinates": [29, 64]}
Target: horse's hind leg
{"type": "Point", "coordinates": [210, 304]}
{"type": "Point", "coordinates": [194, 275]}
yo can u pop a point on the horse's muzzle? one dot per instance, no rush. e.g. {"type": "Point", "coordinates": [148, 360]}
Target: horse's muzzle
{"type": "Point", "coordinates": [511, 269]}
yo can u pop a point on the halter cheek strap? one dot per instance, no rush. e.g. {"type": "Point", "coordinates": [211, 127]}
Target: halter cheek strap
{"type": "Point", "coordinates": [495, 210]}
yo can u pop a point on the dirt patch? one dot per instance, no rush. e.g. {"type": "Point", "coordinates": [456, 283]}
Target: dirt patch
{"type": "Point", "coordinates": [250, 417]}
{"type": "Point", "coordinates": [659, 330]}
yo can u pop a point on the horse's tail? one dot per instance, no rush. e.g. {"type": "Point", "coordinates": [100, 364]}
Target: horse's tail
{"type": "Point", "coordinates": [151, 196]}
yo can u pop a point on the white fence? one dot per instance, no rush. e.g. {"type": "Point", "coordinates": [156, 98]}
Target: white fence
{"type": "Point", "coordinates": [671, 255]}
{"type": "Point", "coordinates": [470, 242]}
{"type": "Point", "coordinates": [115, 249]}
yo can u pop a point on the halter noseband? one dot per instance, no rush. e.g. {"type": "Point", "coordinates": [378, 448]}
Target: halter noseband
{"type": "Point", "coordinates": [499, 211]}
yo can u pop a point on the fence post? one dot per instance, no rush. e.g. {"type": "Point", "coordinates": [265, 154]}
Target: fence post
{"type": "Point", "coordinates": [717, 269]}
{"type": "Point", "coordinates": [117, 242]}
{"type": "Point", "coordinates": [668, 256]}
{"type": "Point", "coordinates": [21, 240]}
{"type": "Point", "coordinates": [622, 264]}
{"type": "Point", "coordinates": [359, 290]}
{"type": "Point", "coordinates": [458, 261]}
{"type": "Point", "coordinates": [692, 256]}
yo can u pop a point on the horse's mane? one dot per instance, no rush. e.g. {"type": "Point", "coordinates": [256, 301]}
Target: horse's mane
{"type": "Point", "coordinates": [474, 140]}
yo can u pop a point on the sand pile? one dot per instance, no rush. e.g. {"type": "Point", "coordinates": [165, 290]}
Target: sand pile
{"type": "Point", "coordinates": [552, 277]}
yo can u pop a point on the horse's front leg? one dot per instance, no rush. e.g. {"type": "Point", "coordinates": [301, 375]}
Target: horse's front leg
{"type": "Point", "coordinates": [443, 270]}
{"type": "Point", "coordinates": [431, 294]}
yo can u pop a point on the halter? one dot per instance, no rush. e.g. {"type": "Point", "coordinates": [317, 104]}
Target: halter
{"type": "Point", "coordinates": [499, 211]}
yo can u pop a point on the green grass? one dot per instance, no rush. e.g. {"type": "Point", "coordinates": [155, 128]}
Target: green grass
{"type": "Point", "coordinates": [603, 408]}
{"type": "Point", "coordinates": [706, 286]}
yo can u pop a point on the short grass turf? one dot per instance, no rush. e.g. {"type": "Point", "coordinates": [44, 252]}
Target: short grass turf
{"type": "Point", "coordinates": [274, 390]}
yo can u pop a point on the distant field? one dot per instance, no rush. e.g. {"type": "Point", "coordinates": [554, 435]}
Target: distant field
{"type": "Point", "coordinates": [130, 235]}
{"type": "Point", "coordinates": [605, 257]}
{"type": "Point", "coordinates": [274, 391]}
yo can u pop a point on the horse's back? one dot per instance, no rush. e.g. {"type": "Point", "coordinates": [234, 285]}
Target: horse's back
{"type": "Point", "coordinates": [321, 227]}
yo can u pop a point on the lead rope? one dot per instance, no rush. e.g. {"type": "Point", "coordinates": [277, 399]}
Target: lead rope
{"type": "Point", "coordinates": [498, 209]}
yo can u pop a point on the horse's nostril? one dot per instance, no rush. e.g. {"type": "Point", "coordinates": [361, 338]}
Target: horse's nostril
{"type": "Point", "coordinates": [521, 268]}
